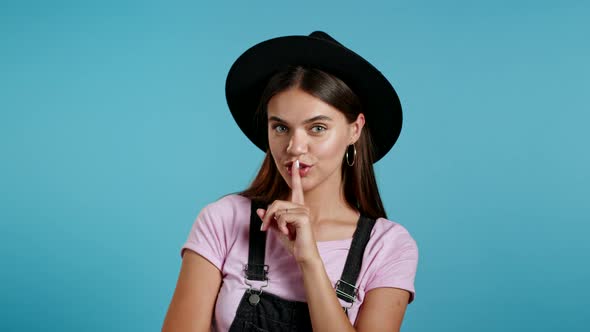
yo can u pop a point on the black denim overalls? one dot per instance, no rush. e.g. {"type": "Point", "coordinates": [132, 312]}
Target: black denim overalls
{"type": "Point", "coordinates": [259, 311]}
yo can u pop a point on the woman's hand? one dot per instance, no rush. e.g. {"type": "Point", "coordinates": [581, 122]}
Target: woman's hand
{"type": "Point", "coordinates": [290, 220]}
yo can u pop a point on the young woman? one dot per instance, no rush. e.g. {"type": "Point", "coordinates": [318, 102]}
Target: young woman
{"type": "Point", "coordinates": [307, 246]}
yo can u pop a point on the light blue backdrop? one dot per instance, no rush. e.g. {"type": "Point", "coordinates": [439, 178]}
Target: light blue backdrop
{"type": "Point", "coordinates": [114, 133]}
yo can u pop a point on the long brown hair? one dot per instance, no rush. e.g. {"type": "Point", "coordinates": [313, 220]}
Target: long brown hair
{"type": "Point", "coordinates": [360, 188]}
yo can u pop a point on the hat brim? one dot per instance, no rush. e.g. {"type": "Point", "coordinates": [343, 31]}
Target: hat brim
{"type": "Point", "coordinates": [250, 73]}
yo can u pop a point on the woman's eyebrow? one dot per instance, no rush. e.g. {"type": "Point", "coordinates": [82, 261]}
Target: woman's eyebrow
{"type": "Point", "coordinates": [276, 118]}
{"type": "Point", "coordinates": [314, 119]}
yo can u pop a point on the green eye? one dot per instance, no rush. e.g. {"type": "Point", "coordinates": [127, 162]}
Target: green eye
{"type": "Point", "coordinates": [318, 129]}
{"type": "Point", "coordinates": [279, 128]}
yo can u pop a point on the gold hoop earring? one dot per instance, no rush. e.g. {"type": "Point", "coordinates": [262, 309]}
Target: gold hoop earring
{"type": "Point", "coordinates": [348, 162]}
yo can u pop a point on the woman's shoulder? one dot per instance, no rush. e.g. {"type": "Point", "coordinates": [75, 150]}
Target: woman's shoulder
{"type": "Point", "coordinates": [230, 203]}
{"type": "Point", "coordinates": [228, 209]}
{"type": "Point", "coordinates": [391, 257]}
{"type": "Point", "coordinates": [392, 235]}
{"type": "Point", "coordinates": [218, 226]}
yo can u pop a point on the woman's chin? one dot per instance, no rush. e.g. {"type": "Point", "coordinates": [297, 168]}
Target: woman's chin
{"type": "Point", "coordinates": [305, 183]}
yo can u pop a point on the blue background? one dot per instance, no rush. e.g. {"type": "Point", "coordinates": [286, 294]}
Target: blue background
{"type": "Point", "coordinates": [114, 133]}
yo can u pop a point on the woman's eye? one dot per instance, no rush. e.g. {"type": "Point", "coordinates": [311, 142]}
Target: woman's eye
{"type": "Point", "coordinates": [279, 128]}
{"type": "Point", "coordinates": [318, 129]}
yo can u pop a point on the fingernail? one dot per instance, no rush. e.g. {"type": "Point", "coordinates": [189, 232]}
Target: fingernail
{"type": "Point", "coordinates": [297, 163]}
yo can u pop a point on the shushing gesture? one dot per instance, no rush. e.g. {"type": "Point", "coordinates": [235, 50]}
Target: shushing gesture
{"type": "Point", "coordinates": [291, 221]}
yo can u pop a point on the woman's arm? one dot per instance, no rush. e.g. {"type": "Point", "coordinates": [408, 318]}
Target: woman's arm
{"type": "Point", "coordinates": [191, 308]}
{"type": "Point", "coordinates": [382, 310]}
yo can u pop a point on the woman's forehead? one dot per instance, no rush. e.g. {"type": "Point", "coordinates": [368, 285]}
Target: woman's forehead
{"type": "Point", "coordinates": [298, 106]}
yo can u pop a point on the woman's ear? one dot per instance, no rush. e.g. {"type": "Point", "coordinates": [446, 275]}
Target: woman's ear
{"type": "Point", "coordinates": [356, 128]}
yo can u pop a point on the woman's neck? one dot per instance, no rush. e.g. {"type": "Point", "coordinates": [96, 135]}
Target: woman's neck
{"type": "Point", "coordinates": [327, 201]}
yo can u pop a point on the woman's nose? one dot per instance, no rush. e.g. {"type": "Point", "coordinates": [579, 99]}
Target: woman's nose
{"type": "Point", "coordinates": [297, 143]}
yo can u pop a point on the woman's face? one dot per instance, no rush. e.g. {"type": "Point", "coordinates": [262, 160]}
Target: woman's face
{"type": "Point", "coordinates": [305, 128]}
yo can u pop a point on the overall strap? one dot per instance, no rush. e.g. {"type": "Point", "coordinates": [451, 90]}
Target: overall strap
{"type": "Point", "coordinates": [256, 269]}
{"type": "Point", "coordinates": [346, 286]}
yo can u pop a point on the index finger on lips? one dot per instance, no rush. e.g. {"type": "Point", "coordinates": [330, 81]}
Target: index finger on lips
{"type": "Point", "coordinates": [296, 187]}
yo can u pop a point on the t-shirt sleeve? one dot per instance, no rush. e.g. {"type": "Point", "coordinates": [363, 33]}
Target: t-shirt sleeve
{"type": "Point", "coordinates": [211, 232]}
{"type": "Point", "coordinates": [397, 262]}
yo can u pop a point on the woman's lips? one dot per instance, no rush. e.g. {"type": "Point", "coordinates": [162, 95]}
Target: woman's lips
{"type": "Point", "coordinates": [303, 170]}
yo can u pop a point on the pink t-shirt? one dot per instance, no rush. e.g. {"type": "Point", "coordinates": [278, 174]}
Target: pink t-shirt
{"type": "Point", "coordinates": [220, 235]}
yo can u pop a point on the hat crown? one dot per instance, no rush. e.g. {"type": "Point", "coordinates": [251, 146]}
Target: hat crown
{"type": "Point", "coordinates": [324, 36]}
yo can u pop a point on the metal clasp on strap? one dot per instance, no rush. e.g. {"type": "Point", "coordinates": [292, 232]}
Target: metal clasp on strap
{"type": "Point", "coordinates": [256, 272]}
{"type": "Point", "coordinates": [254, 276]}
{"type": "Point", "coordinates": [255, 293]}
{"type": "Point", "coordinates": [259, 290]}
{"type": "Point", "coordinates": [350, 298]}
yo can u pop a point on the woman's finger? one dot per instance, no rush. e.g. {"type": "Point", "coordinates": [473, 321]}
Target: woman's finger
{"type": "Point", "coordinates": [282, 225]}
{"type": "Point", "coordinates": [261, 213]}
{"type": "Point", "coordinates": [288, 221]}
{"type": "Point", "coordinates": [270, 213]}
{"type": "Point", "coordinates": [277, 209]}
{"type": "Point", "coordinates": [281, 220]}
{"type": "Point", "coordinates": [296, 187]}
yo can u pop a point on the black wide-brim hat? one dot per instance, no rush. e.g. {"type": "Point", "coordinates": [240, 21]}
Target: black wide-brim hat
{"type": "Point", "coordinates": [249, 75]}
